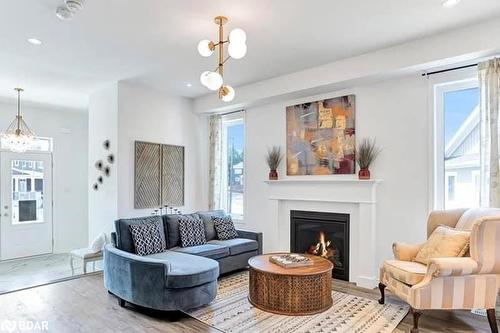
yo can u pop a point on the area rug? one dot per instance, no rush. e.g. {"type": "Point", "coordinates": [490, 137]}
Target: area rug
{"type": "Point", "coordinates": [231, 312]}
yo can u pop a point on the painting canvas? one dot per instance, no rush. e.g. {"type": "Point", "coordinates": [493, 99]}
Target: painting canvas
{"type": "Point", "coordinates": [321, 137]}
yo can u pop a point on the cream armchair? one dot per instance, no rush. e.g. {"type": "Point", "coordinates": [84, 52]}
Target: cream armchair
{"type": "Point", "coordinates": [449, 283]}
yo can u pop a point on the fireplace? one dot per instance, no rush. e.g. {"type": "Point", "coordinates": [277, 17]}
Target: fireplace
{"type": "Point", "coordinates": [323, 234]}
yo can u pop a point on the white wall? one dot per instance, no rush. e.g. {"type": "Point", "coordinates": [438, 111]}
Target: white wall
{"type": "Point", "coordinates": [68, 128]}
{"type": "Point", "coordinates": [103, 125]}
{"type": "Point", "coordinates": [395, 112]}
{"type": "Point", "coordinates": [124, 113]}
{"type": "Point", "coordinates": [152, 116]}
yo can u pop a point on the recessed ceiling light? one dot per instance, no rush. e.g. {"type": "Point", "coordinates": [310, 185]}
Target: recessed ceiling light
{"type": "Point", "coordinates": [450, 3]}
{"type": "Point", "coordinates": [34, 41]}
{"type": "Point", "coordinates": [189, 85]}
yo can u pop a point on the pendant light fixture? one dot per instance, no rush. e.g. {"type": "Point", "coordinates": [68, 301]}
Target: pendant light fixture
{"type": "Point", "coordinates": [237, 49]}
{"type": "Point", "coordinates": [18, 137]}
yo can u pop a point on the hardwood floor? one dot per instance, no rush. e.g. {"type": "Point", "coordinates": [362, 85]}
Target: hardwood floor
{"type": "Point", "coordinates": [34, 271]}
{"type": "Point", "coordinates": [83, 305]}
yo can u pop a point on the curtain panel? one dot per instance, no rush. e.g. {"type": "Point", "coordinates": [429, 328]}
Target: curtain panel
{"type": "Point", "coordinates": [215, 162]}
{"type": "Point", "coordinates": [489, 85]}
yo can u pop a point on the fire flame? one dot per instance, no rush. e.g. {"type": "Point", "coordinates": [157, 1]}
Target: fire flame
{"type": "Point", "coordinates": [322, 248]}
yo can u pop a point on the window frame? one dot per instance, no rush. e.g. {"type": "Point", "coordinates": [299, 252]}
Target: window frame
{"type": "Point", "coordinates": [228, 120]}
{"type": "Point", "coordinates": [439, 85]}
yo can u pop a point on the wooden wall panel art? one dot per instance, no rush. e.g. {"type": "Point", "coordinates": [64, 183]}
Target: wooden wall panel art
{"type": "Point", "coordinates": [159, 175]}
{"type": "Point", "coordinates": [172, 179]}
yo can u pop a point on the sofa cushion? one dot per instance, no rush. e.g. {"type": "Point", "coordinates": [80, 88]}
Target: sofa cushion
{"type": "Point", "coordinates": [470, 216]}
{"type": "Point", "coordinates": [444, 242]}
{"type": "Point", "coordinates": [192, 231]}
{"type": "Point", "coordinates": [213, 251]}
{"type": "Point", "coordinates": [408, 272]}
{"type": "Point", "coordinates": [224, 227]}
{"type": "Point", "coordinates": [171, 225]}
{"type": "Point", "coordinates": [124, 239]}
{"type": "Point", "coordinates": [237, 245]}
{"type": "Point", "coordinates": [186, 270]}
{"type": "Point", "coordinates": [148, 238]}
{"type": "Point", "coordinates": [206, 217]}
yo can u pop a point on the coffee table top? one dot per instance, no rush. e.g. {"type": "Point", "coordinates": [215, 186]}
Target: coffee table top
{"type": "Point", "coordinates": [262, 263]}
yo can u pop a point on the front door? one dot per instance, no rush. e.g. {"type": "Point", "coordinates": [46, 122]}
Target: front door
{"type": "Point", "coordinates": [26, 204]}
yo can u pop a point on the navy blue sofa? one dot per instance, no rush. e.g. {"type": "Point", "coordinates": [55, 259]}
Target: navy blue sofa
{"type": "Point", "coordinates": [180, 278]}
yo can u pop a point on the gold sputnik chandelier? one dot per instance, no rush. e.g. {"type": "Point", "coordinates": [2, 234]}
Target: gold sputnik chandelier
{"type": "Point", "coordinates": [237, 48]}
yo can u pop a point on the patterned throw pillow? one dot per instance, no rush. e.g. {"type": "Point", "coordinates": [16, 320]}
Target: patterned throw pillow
{"type": "Point", "coordinates": [148, 238]}
{"type": "Point", "coordinates": [224, 227]}
{"type": "Point", "coordinates": [444, 242]}
{"type": "Point", "coordinates": [192, 231]}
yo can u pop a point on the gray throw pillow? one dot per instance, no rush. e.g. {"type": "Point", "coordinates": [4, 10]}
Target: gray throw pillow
{"type": "Point", "coordinates": [148, 238]}
{"type": "Point", "coordinates": [192, 231]}
{"type": "Point", "coordinates": [224, 227]}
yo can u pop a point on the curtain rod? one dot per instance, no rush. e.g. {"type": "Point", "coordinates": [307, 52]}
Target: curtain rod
{"type": "Point", "coordinates": [449, 69]}
{"type": "Point", "coordinates": [230, 112]}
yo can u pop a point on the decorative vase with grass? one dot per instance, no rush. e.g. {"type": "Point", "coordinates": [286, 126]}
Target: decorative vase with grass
{"type": "Point", "coordinates": [273, 159]}
{"type": "Point", "coordinates": [366, 153]}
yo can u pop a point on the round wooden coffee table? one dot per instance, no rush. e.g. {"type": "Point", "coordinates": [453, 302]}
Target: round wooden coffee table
{"type": "Point", "coordinates": [290, 291]}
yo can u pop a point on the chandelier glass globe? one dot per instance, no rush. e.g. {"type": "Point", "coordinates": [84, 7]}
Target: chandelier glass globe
{"type": "Point", "coordinates": [203, 78]}
{"type": "Point", "coordinates": [214, 81]}
{"type": "Point", "coordinates": [237, 50]}
{"type": "Point", "coordinates": [227, 93]}
{"type": "Point", "coordinates": [205, 49]}
{"type": "Point", "coordinates": [237, 36]}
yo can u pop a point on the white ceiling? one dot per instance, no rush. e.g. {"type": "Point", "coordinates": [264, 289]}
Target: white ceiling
{"type": "Point", "coordinates": [153, 42]}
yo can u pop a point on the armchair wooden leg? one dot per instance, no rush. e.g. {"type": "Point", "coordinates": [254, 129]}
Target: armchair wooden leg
{"type": "Point", "coordinates": [416, 316]}
{"type": "Point", "coordinates": [381, 286]}
{"type": "Point", "coordinates": [492, 320]}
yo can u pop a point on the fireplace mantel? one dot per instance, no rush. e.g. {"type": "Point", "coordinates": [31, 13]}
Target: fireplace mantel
{"type": "Point", "coordinates": [324, 189]}
{"type": "Point", "coordinates": [355, 197]}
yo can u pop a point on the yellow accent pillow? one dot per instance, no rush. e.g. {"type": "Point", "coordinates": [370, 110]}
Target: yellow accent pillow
{"type": "Point", "coordinates": [444, 242]}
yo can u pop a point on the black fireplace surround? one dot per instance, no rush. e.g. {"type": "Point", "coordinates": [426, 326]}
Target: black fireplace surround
{"type": "Point", "coordinates": [306, 228]}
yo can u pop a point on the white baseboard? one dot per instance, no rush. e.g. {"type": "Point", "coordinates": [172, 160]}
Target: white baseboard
{"type": "Point", "coordinates": [366, 281]}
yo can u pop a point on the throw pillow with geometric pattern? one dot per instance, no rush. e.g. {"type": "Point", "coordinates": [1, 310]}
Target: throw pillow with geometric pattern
{"type": "Point", "coordinates": [148, 238]}
{"type": "Point", "coordinates": [224, 227]}
{"type": "Point", "coordinates": [192, 231]}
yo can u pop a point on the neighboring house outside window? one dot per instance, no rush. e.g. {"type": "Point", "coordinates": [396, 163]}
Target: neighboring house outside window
{"type": "Point", "coordinates": [458, 135]}
{"type": "Point", "coordinates": [462, 160]}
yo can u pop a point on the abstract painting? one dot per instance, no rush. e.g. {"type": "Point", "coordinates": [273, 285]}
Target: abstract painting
{"type": "Point", "coordinates": [321, 137]}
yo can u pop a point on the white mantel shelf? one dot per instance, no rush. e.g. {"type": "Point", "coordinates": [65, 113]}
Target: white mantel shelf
{"type": "Point", "coordinates": [358, 198]}
{"type": "Point", "coordinates": [324, 189]}
{"type": "Point", "coordinates": [323, 180]}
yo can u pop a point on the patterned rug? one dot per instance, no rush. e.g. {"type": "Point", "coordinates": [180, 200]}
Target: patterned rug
{"type": "Point", "coordinates": [231, 312]}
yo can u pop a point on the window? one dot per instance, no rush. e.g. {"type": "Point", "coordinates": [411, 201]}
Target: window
{"type": "Point", "coordinates": [27, 205]}
{"type": "Point", "coordinates": [457, 144]}
{"type": "Point", "coordinates": [233, 164]}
